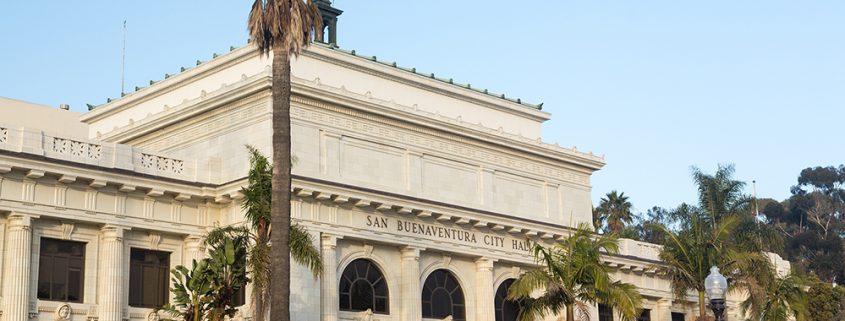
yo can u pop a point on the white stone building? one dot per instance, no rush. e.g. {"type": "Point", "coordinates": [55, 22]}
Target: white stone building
{"type": "Point", "coordinates": [432, 184]}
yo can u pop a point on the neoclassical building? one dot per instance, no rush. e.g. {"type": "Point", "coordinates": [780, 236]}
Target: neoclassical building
{"type": "Point", "coordinates": [419, 191]}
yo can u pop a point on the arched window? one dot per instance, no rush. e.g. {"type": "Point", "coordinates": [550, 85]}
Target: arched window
{"type": "Point", "coordinates": [506, 310]}
{"type": "Point", "coordinates": [362, 287]}
{"type": "Point", "coordinates": [442, 296]}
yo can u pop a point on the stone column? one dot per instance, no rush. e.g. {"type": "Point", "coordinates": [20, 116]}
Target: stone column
{"type": "Point", "coordinates": [194, 249]}
{"type": "Point", "coordinates": [663, 311]}
{"type": "Point", "coordinates": [484, 291]}
{"type": "Point", "coordinates": [18, 258]}
{"type": "Point", "coordinates": [111, 274]}
{"type": "Point", "coordinates": [330, 302]}
{"type": "Point", "coordinates": [409, 285]}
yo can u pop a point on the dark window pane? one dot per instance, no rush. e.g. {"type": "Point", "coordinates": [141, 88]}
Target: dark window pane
{"type": "Point", "coordinates": [442, 296]}
{"type": "Point", "coordinates": [362, 287]}
{"type": "Point", "coordinates": [645, 315]}
{"type": "Point", "coordinates": [605, 312]}
{"type": "Point", "coordinates": [506, 310]}
{"type": "Point", "coordinates": [676, 316]}
{"type": "Point", "coordinates": [441, 303]}
{"type": "Point", "coordinates": [60, 270]}
{"type": "Point", "coordinates": [148, 278]}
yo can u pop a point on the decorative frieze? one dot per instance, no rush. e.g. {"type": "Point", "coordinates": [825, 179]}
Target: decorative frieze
{"type": "Point", "coordinates": [4, 134]}
{"type": "Point", "coordinates": [162, 164]}
{"type": "Point", "coordinates": [77, 148]}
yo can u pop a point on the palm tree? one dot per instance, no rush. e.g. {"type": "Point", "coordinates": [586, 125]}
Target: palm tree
{"type": "Point", "coordinates": [616, 210]}
{"type": "Point", "coordinates": [572, 276]}
{"type": "Point", "coordinates": [256, 204]}
{"type": "Point", "coordinates": [283, 27]}
{"type": "Point", "coordinates": [779, 299]}
{"type": "Point", "coordinates": [708, 239]}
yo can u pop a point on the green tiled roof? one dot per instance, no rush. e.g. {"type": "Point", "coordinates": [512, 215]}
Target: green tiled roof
{"type": "Point", "coordinates": [371, 58]}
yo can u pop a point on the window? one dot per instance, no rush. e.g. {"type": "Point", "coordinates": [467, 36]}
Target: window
{"type": "Point", "coordinates": [362, 287]}
{"type": "Point", "coordinates": [605, 312]}
{"type": "Point", "coordinates": [677, 316]}
{"type": "Point", "coordinates": [442, 296]}
{"type": "Point", "coordinates": [506, 310]}
{"type": "Point", "coordinates": [148, 278]}
{"type": "Point", "coordinates": [60, 270]}
{"type": "Point", "coordinates": [239, 298]}
{"type": "Point", "coordinates": [645, 315]}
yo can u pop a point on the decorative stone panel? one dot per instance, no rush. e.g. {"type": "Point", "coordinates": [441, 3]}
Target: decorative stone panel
{"type": "Point", "coordinates": [4, 134]}
{"type": "Point", "coordinates": [77, 148]}
{"type": "Point", "coordinates": [162, 164]}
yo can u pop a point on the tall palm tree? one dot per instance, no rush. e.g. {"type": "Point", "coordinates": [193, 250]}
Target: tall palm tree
{"type": "Point", "coordinates": [256, 204]}
{"type": "Point", "coordinates": [283, 27]}
{"type": "Point", "coordinates": [572, 276]}
{"type": "Point", "coordinates": [779, 299]}
{"type": "Point", "coordinates": [616, 210]}
{"type": "Point", "coordinates": [708, 239]}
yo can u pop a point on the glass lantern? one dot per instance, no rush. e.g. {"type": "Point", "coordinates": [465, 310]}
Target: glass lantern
{"type": "Point", "coordinates": [715, 285]}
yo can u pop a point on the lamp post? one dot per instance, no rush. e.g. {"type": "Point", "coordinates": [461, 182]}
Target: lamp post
{"type": "Point", "coordinates": [716, 287]}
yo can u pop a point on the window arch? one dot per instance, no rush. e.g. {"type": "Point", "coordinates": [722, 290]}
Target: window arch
{"type": "Point", "coordinates": [362, 287]}
{"type": "Point", "coordinates": [506, 310]}
{"type": "Point", "coordinates": [442, 296]}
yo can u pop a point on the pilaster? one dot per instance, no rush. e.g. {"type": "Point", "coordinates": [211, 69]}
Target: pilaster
{"type": "Point", "coordinates": [409, 285]}
{"type": "Point", "coordinates": [18, 258]}
{"type": "Point", "coordinates": [111, 273]}
{"type": "Point", "coordinates": [484, 291]}
{"type": "Point", "coordinates": [328, 280]}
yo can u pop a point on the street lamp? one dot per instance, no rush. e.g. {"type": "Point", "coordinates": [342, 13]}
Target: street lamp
{"type": "Point", "coordinates": [716, 287]}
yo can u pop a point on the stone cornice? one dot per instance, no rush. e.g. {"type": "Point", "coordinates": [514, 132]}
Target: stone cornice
{"type": "Point", "coordinates": [314, 93]}
{"type": "Point", "coordinates": [415, 80]}
{"type": "Point", "coordinates": [336, 57]}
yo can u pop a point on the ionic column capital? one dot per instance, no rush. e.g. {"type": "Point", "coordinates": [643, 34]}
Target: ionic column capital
{"type": "Point", "coordinates": [113, 233]}
{"type": "Point", "coordinates": [328, 240]}
{"type": "Point", "coordinates": [484, 263]}
{"type": "Point", "coordinates": [411, 252]}
{"type": "Point", "coordinates": [20, 221]}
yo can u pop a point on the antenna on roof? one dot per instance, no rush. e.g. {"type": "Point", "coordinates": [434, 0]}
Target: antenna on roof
{"type": "Point", "coordinates": [123, 60]}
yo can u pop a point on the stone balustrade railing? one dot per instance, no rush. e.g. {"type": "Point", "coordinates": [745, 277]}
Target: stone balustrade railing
{"type": "Point", "coordinates": [97, 153]}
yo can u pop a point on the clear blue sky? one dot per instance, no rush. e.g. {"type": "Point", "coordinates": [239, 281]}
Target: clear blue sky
{"type": "Point", "coordinates": [657, 86]}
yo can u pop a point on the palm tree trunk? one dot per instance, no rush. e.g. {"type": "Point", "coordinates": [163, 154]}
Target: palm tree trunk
{"type": "Point", "coordinates": [259, 295]}
{"type": "Point", "coordinates": [280, 200]}
{"type": "Point", "coordinates": [570, 313]}
{"type": "Point", "coordinates": [702, 308]}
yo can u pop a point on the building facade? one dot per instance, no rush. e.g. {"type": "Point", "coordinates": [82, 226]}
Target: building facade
{"type": "Point", "coordinates": [420, 193]}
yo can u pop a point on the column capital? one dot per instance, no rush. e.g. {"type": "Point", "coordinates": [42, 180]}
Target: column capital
{"type": "Point", "coordinates": [411, 252]}
{"type": "Point", "coordinates": [195, 241]}
{"type": "Point", "coordinates": [329, 240]}
{"type": "Point", "coordinates": [484, 263]}
{"type": "Point", "coordinates": [113, 232]}
{"type": "Point", "coordinates": [18, 220]}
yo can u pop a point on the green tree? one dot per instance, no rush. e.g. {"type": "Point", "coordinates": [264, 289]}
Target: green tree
{"type": "Point", "coordinates": [707, 238]}
{"type": "Point", "coordinates": [615, 209]}
{"type": "Point", "coordinates": [257, 204]}
{"type": "Point", "coordinates": [571, 276]}
{"type": "Point", "coordinates": [207, 290]}
{"type": "Point", "coordinates": [826, 302]}
{"type": "Point", "coordinates": [778, 299]}
{"type": "Point", "coordinates": [282, 27]}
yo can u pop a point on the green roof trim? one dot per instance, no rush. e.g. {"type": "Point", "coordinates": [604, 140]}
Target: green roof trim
{"type": "Point", "coordinates": [431, 75]}
{"type": "Point", "coordinates": [352, 52]}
